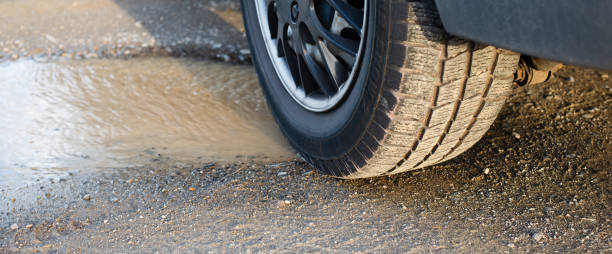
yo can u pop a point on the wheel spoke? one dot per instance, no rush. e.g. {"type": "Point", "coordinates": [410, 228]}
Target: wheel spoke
{"type": "Point", "coordinates": [351, 14]}
{"type": "Point", "coordinates": [291, 57]}
{"type": "Point", "coordinates": [307, 81]}
{"type": "Point", "coordinates": [347, 58]}
{"type": "Point", "coordinates": [322, 78]}
{"type": "Point", "coordinates": [309, 84]}
{"type": "Point", "coordinates": [349, 46]}
{"type": "Point", "coordinates": [311, 74]}
{"type": "Point", "coordinates": [334, 68]}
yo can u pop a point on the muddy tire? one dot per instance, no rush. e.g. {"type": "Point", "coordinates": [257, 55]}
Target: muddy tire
{"type": "Point", "coordinates": [418, 98]}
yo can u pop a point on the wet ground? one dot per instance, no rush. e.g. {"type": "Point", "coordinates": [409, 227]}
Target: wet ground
{"type": "Point", "coordinates": [109, 113]}
{"type": "Point", "coordinates": [107, 151]}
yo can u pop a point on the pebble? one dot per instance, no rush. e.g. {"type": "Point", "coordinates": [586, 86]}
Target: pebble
{"type": "Point", "coordinates": [29, 226]}
{"type": "Point", "coordinates": [605, 76]}
{"type": "Point", "coordinates": [537, 236]}
{"type": "Point", "coordinates": [282, 173]}
{"type": "Point", "coordinates": [282, 204]}
{"type": "Point", "coordinates": [14, 226]}
{"type": "Point", "coordinates": [516, 135]}
{"type": "Point", "coordinates": [91, 55]}
{"type": "Point", "coordinates": [486, 171]}
{"type": "Point", "coordinates": [51, 38]}
{"type": "Point", "coordinates": [245, 52]}
{"type": "Point", "coordinates": [12, 200]}
{"type": "Point", "coordinates": [87, 197]}
{"type": "Point", "coordinates": [511, 245]}
{"type": "Point", "coordinates": [478, 178]}
{"type": "Point", "coordinates": [114, 200]}
{"type": "Point", "coordinates": [191, 189]}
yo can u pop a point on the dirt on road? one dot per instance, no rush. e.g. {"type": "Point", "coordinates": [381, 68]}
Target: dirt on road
{"type": "Point", "coordinates": [540, 180]}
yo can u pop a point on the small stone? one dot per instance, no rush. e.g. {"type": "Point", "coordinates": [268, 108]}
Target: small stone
{"type": "Point", "coordinates": [14, 226]}
{"type": "Point", "coordinates": [245, 52]}
{"type": "Point", "coordinates": [131, 181]}
{"type": "Point", "coordinates": [511, 245]}
{"type": "Point", "coordinates": [105, 221]}
{"type": "Point", "coordinates": [138, 24]}
{"type": "Point", "coordinates": [282, 203]}
{"type": "Point", "coordinates": [51, 38]}
{"type": "Point", "coordinates": [29, 226]}
{"type": "Point", "coordinates": [35, 51]}
{"type": "Point", "coordinates": [191, 189]}
{"type": "Point", "coordinates": [87, 197]}
{"type": "Point", "coordinates": [605, 76]}
{"type": "Point", "coordinates": [91, 55]}
{"type": "Point", "coordinates": [516, 135]}
{"type": "Point", "coordinates": [538, 236]}
{"type": "Point", "coordinates": [588, 116]}
{"type": "Point", "coordinates": [163, 217]}
{"type": "Point", "coordinates": [478, 178]}
{"type": "Point", "coordinates": [287, 202]}
{"type": "Point", "coordinates": [114, 200]}
{"type": "Point", "coordinates": [282, 173]}
{"type": "Point", "coordinates": [12, 200]}
{"type": "Point", "coordinates": [486, 171]}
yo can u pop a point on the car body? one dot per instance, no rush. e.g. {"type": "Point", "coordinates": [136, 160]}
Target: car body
{"type": "Point", "coordinates": [568, 31]}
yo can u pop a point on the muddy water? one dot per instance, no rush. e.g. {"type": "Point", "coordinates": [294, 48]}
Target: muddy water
{"type": "Point", "coordinates": [109, 113]}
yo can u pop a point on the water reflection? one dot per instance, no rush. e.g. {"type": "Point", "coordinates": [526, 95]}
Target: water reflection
{"type": "Point", "coordinates": [105, 113]}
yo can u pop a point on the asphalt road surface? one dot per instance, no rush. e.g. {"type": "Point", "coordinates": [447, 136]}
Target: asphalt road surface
{"type": "Point", "coordinates": [128, 127]}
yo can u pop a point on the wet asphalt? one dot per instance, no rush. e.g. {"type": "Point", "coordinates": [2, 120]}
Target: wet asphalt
{"type": "Point", "coordinates": [539, 181]}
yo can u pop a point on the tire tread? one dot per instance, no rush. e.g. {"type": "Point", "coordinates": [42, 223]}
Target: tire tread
{"type": "Point", "coordinates": [441, 95]}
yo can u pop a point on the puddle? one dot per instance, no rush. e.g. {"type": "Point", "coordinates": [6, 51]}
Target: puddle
{"type": "Point", "coordinates": [111, 113]}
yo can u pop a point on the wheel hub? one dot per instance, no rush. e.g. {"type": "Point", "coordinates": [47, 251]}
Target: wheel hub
{"type": "Point", "coordinates": [315, 47]}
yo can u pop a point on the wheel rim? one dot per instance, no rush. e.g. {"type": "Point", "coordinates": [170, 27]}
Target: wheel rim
{"type": "Point", "coordinates": [315, 46]}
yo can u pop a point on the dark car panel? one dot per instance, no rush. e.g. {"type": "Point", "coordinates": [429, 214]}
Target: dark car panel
{"type": "Point", "coordinates": [569, 31]}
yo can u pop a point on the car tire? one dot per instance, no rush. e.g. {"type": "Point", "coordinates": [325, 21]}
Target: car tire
{"type": "Point", "coordinates": [419, 97]}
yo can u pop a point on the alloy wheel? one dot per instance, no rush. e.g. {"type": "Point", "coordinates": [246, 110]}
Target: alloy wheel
{"type": "Point", "coordinates": [315, 46]}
